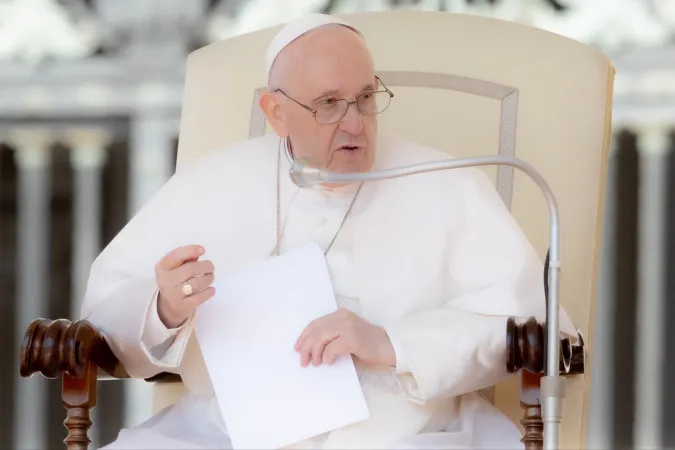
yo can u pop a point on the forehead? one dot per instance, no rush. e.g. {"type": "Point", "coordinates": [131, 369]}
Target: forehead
{"type": "Point", "coordinates": [346, 86]}
{"type": "Point", "coordinates": [332, 59]}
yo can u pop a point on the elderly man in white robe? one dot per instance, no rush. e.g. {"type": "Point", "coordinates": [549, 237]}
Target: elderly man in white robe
{"type": "Point", "coordinates": [425, 269]}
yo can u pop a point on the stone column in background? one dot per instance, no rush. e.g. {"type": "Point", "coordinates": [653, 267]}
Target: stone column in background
{"type": "Point", "coordinates": [151, 157]}
{"type": "Point", "coordinates": [653, 145]}
{"type": "Point", "coordinates": [33, 160]}
{"type": "Point", "coordinates": [87, 157]}
{"type": "Point", "coordinates": [600, 415]}
{"type": "Point", "coordinates": [151, 150]}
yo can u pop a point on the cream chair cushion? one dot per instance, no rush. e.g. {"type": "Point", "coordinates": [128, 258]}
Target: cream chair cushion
{"type": "Point", "coordinates": [469, 86]}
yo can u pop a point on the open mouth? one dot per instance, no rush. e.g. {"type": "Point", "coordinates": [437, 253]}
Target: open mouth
{"type": "Point", "coordinates": [349, 147]}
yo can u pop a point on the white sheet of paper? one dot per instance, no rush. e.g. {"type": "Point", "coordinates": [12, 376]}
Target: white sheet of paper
{"type": "Point", "coordinates": [247, 332]}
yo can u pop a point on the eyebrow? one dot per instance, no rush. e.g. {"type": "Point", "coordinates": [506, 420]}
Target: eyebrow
{"type": "Point", "coordinates": [335, 92]}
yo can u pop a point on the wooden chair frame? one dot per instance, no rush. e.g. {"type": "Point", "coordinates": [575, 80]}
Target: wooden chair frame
{"type": "Point", "coordinates": [78, 354]}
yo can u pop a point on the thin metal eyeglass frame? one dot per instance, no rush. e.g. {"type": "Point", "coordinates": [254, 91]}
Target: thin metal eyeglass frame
{"type": "Point", "coordinates": [349, 103]}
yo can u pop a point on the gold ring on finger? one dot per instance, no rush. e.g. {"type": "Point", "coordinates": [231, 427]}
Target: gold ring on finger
{"type": "Point", "coordinates": [187, 289]}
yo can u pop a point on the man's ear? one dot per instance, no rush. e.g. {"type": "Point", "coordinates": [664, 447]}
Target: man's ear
{"type": "Point", "coordinates": [272, 109]}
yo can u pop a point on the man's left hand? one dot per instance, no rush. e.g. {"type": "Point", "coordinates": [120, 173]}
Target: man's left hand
{"type": "Point", "coordinates": [343, 333]}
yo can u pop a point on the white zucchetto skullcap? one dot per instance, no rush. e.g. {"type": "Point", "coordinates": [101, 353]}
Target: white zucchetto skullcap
{"type": "Point", "coordinates": [294, 30]}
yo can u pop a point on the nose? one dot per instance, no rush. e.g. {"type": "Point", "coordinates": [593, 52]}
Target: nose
{"type": "Point", "coordinates": [352, 122]}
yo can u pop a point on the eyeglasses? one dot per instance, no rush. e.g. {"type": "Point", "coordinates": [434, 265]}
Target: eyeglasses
{"type": "Point", "coordinates": [332, 110]}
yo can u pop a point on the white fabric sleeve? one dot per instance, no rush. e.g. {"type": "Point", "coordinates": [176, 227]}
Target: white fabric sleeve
{"type": "Point", "coordinates": [121, 291]}
{"type": "Point", "coordinates": [122, 318]}
{"type": "Point", "coordinates": [470, 351]}
{"type": "Point", "coordinates": [154, 331]}
{"type": "Point", "coordinates": [401, 361]}
{"type": "Point", "coordinates": [491, 273]}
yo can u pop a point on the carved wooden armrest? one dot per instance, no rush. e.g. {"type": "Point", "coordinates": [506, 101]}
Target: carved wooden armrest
{"type": "Point", "coordinates": [525, 352]}
{"type": "Point", "coordinates": [78, 353]}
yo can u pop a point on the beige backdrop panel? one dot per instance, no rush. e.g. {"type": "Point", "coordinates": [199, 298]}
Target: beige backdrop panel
{"type": "Point", "coordinates": [492, 87]}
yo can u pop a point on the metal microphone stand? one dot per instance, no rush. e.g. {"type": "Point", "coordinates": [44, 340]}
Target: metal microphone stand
{"type": "Point", "coordinates": [552, 384]}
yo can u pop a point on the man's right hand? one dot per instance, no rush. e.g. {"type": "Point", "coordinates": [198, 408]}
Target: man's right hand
{"type": "Point", "coordinates": [177, 269]}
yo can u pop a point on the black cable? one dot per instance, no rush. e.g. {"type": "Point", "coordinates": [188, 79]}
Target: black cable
{"type": "Point", "coordinates": [546, 287]}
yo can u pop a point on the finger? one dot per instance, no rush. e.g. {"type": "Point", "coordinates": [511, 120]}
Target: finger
{"type": "Point", "coordinates": [314, 327]}
{"type": "Point", "coordinates": [193, 301]}
{"type": "Point", "coordinates": [336, 348]}
{"type": "Point", "coordinates": [303, 337]}
{"type": "Point", "coordinates": [198, 283]}
{"type": "Point", "coordinates": [316, 324]}
{"type": "Point", "coordinates": [317, 351]}
{"type": "Point", "coordinates": [305, 355]}
{"type": "Point", "coordinates": [190, 270]}
{"type": "Point", "coordinates": [177, 257]}
{"type": "Point", "coordinates": [308, 351]}
{"type": "Point", "coordinates": [313, 345]}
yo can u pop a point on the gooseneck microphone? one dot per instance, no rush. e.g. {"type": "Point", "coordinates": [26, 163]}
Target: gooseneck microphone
{"type": "Point", "coordinates": [552, 384]}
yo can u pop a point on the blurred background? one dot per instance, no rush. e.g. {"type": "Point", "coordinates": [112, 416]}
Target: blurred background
{"type": "Point", "coordinates": [90, 102]}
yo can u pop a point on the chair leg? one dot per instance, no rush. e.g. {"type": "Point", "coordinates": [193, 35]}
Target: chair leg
{"type": "Point", "coordinates": [534, 427]}
{"type": "Point", "coordinates": [79, 396]}
{"type": "Point", "coordinates": [530, 401]}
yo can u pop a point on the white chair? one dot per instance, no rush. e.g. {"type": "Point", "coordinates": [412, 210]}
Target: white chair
{"type": "Point", "coordinates": [469, 86]}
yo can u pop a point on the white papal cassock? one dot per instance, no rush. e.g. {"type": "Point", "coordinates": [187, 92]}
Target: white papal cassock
{"type": "Point", "coordinates": [436, 259]}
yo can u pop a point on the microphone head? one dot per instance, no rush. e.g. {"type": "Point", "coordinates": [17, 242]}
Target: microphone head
{"type": "Point", "coordinates": [303, 174]}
